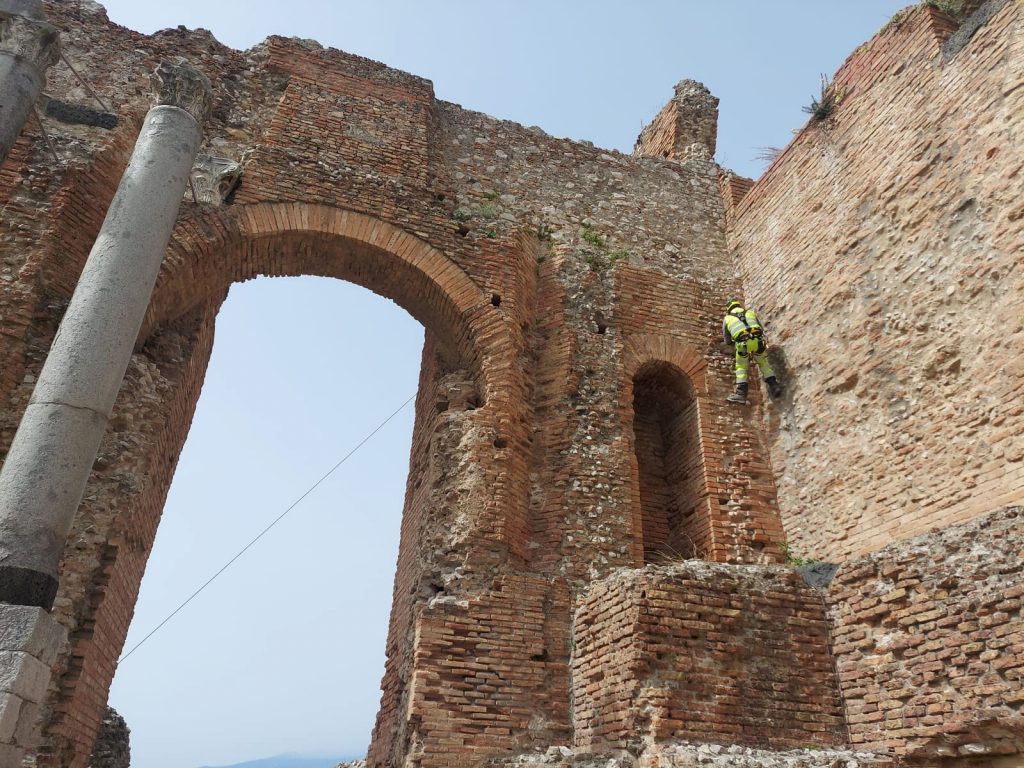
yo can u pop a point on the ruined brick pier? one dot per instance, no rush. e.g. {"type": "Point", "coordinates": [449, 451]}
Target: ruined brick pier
{"type": "Point", "coordinates": [593, 542]}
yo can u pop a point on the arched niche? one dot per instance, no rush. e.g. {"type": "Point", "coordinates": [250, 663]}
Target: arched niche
{"type": "Point", "coordinates": [663, 394]}
{"type": "Point", "coordinates": [666, 443]}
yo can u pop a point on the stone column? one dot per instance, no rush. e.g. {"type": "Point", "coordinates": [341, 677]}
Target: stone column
{"type": "Point", "coordinates": [28, 47]}
{"type": "Point", "coordinates": [44, 475]}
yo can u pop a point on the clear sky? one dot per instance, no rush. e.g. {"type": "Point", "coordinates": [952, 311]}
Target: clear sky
{"type": "Point", "coordinates": [284, 653]}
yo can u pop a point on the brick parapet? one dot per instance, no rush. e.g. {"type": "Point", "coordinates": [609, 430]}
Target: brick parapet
{"type": "Point", "coordinates": [929, 642]}
{"type": "Point", "coordinates": [703, 652]}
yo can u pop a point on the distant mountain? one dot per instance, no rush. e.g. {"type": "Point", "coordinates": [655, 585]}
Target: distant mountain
{"type": "Point", "coordinates": [288, 761]}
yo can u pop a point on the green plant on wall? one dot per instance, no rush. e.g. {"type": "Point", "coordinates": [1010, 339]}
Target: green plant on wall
{"type": "Point", "coordinates": [824, 105]}
{"type": "Point", "coordinates": [955, 8]}
{"type": "Point", "coordinates": [593, 238]}
{"type": "Point", "coordinates": [602, 258]}
{"type": "Point", "coordinates": [896, 21]}
{"type": "Point", "coordinates": [789, 558]}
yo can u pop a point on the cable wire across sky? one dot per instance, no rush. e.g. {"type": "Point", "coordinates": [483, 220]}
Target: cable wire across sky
{"type": "Point", "coordinates": [267, 529]}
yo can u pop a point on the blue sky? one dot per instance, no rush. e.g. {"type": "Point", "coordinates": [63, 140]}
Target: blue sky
{"type": "Point", "coordinates": [284, 652]}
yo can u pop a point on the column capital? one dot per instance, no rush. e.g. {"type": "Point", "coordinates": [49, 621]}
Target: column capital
{"type": "Point", "coordinates": [33, 9]}
{"type": "Point", "coordinates": [179, 85]}
{"type": "Point", "coordinates": [30, 39]}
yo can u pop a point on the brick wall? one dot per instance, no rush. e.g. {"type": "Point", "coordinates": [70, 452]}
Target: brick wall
{"type": "Point", "coordinates": [705, 653]}
{"type": "Point", "coordinates": [543, 289]}
{"type": "Point", "coordinates": [690, 118]}
{"type": "Point", "coordinates": [561, 286]}
{"type": "Point", "coordinates": [492, 677]}
{"type": "Point", "coordinates": [883, 247]}
{"type": "Point", "coordinates": [929, 642]}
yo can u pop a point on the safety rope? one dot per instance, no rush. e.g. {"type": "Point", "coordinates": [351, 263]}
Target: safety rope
{"type": "Point", "coordinates": [262, 533]}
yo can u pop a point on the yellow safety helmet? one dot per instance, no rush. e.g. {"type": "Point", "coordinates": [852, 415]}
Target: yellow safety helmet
{"type": "Point", "coordinates": [733, 303]}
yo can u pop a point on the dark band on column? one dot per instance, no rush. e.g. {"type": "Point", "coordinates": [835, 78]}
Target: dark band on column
{"type": "Point", "coordinates": [21, 586]}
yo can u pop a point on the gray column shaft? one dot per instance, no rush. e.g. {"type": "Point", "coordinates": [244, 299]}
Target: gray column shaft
{"type": "Point", "coordinates": [44, 476]}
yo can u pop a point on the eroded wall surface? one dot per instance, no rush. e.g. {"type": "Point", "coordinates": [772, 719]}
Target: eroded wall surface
{"type": "Point", "coordinates": [703, 652]}
{"type": "Point", "coordinates": [929, 642]}
{"type": "Point", "coordinates": [884, 246]}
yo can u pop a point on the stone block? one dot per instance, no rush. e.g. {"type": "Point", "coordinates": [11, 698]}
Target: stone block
{"type": "Point", "coordinates": [11, 756]}
{"type": "Point", "coordinates": [28, 728]}
{"type": "Point", "coordinates": [30, 630]}
{"type": "Point", "coordinates": [23, 675]}
{"type": "Point", "coordinates": [10, 709]}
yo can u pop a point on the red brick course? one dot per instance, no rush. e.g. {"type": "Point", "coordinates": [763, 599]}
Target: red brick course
{"type": "Point", "coordinates": [706, 653]}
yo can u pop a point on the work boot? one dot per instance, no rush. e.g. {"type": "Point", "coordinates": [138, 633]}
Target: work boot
{"type": "Point", "coordinates": [740, 395]}
{"type": "Point", "coordinates": [774, 387]}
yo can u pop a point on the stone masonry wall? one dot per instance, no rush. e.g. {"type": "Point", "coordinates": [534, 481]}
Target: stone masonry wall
{"type": "Point", "coordinates": [546, 273]}
{"type": "Point", "coordinates": [552, 278]}
{"type": "Point", "coordinates": [884, 247]}
{"type": "Point", "coordinates": [929, 642]}
{"type": "Point", "coordinates": [704, 653]}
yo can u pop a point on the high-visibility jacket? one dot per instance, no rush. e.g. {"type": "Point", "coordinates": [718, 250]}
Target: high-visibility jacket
{"type": "Point", "coordinates": [741, 324]}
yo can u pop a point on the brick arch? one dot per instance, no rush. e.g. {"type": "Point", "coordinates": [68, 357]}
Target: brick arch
{"type": "Point", "coordinates": [645, 348]}
{"type": "Point", "coordinates": [215, 247]}
{"type": "Point", "coordinates": [665, 392]}
{"type": "Point", "coordinates": [237, 243]}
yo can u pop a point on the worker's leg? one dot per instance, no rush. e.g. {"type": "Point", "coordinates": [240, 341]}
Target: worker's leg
{"type": "Point", "coordinates": [764, 366]}
{"type": "Point", "coordinates": [742, 368]}
{"type": "Point", "coordinates": [770, 380]}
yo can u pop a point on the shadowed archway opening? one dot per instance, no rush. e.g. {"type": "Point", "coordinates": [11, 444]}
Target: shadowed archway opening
{"type": "Point", "coordinates": [667, 445]}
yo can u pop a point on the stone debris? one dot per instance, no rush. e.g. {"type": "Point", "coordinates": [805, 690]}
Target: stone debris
{"type": "Point", "coordinates": [689, 755]}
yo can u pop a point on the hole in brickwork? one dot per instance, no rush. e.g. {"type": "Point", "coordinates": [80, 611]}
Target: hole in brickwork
{"type": "Point", "coordinates": [668, 457]}
{"type": "Point", "coordinates": [495, 300]}
{"type": "Point", "coordinates": [500, 443]}
{"type": "Point", "coordinates": [601, 329]}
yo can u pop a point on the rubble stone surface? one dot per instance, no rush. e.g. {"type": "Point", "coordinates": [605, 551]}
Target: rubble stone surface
{"type": "Point", "coordinates": [112, 748]}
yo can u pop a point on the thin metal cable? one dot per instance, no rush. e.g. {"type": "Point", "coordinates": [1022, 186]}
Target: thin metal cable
{"type": "Point", "coordinates": [262, 533]}
{"type": "Point", "coordinates": [46, 136]}
{"type": "Point", "coordinates": [84, 82]}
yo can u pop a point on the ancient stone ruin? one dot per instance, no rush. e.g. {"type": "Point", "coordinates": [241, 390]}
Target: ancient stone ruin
{"type": "Point", "coordinates": [596, 550]}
